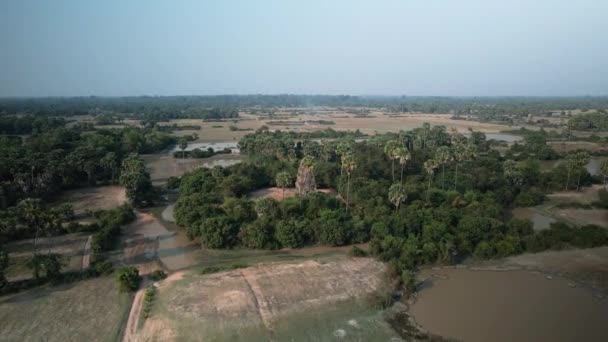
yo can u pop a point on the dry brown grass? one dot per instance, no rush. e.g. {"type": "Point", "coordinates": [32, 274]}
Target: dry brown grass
{"type": "Point", "coordinates": [256, 299]}
{"type": "Point", "coordinates": [90, 310]}
{"type": "Point", "coordinates": [94, 198]}
{"type": "Point", "coordinates": [277, 193]}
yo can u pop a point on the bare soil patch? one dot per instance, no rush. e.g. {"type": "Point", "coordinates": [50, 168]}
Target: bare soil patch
{"type": "Point", "coordinates": [94, 198]}
{"type": "Point", "coordinates": [277, 193]}
{"type": "Point", "coordinates": [72, 247]}
{"type": "Point", "coordinates": [255, 300]}
{"type": "Point", "coordinates": [90, 310]}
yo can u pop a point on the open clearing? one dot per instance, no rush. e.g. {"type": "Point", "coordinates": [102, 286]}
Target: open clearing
{"type": "Point", "coordinates": [548, 212]}
{"type": "Point", "coordinates": [90, 310]}
{"type": "Point", "coordinates": [94, 198]}
{"type": "Point", "coordinates": [277, 193]}
{"type": "Point", "coordinates": [277, 301]}
{"type": "Point", "coordinates": [72, 247]}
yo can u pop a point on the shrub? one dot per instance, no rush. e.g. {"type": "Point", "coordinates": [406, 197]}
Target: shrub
{"type": "Point", "coordinates": [158, 275]}
{"type": "Point", "coordinates": [128, 279]}
{"type": "Point", "coordinates": [355, 251]}
{"type": "Point", "coordinates": [103, 267]}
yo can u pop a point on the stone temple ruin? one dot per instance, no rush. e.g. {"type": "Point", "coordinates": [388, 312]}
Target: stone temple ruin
{"type": "Point", "coordinates": [305, 183]}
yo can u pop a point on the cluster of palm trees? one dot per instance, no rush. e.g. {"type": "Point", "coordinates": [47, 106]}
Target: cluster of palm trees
{"type": "Point", "coordinates": [576, 161]}
{"type": "Point", "coordinates": [460, 150]}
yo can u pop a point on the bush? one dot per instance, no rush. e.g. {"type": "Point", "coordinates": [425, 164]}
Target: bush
{"type": "Point", "coordinates": [158, 275]}
{"type": "Point", "coordinates": [529, 198]}
{"type": "Point", "coordinates": [128, 279]}
{"type": "Point", "coordinates": [218, 232]}
{"type": "Point", "coordinates": [292, 233]}
{"type": "Point", "coordinates": [103, 267]}
{"type": "Point", "coordinates": [355, 251]}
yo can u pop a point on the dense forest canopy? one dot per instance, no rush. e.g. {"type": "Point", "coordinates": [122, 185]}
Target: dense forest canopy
{"type": "Point", "coordinates": [222, 106]}
{"type": "Point", "coordinates": [420, 196]}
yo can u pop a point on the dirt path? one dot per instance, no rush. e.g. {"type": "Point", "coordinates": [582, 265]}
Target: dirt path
{"type": "Point", "coordinates": [86, 254]}
{"type": "Point", "coordinates": [131, 330]}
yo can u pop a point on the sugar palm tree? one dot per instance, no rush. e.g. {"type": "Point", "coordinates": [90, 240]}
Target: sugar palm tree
{"type": "Point", "coordinates": [348, 164]}
{"type": "Point", "coordinates": [403, 155]}
{"type": "Point", "coordinates": [397, 195]}
{"type": "Point", "coordinates": [430, 166]}
{"type": "Point", "coordinates": [570, 164]}
{"type": "Point", "coordinates": [390, 150]}
{"type": "Point", "coordinates": [443, 156]}
{"type": "Point", "coordinates": [282, 179]}
{"type": "Point", "coordinates": [183, 145]}
{"type": "Point", "coordinates": [604, 171]}
{"type": "Point", "coordinates": [582, 158]}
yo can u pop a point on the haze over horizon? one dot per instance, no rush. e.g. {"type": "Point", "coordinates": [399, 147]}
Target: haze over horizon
{"type": "Point", "coordinates": [387, 47]}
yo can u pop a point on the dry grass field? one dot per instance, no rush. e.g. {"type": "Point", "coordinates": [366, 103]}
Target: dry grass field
{"type": "Point", "coordinates": [90, 310]}
{"type": "Point", "coordinates": [94, 198]}
{"type": "Point", "coordinates": [277, 193]}
{"type": "Point", "coordinates": [271, 302]}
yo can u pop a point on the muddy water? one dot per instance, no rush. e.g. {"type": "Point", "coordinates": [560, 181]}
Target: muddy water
{"type": "Point", "coordinates": [539, 220]}
{"type": "Point", "coordinates": [216, 146]}
{"type": "Point", "coordinates": [593, 166]}
{"type": "Point", "coordinates": [508, 306]}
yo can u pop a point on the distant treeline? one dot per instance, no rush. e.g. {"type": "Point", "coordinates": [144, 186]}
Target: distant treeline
{"type": "Point", "coordinates": [28, 124]}
{"type": "Point", "coordinates": [226, 106]}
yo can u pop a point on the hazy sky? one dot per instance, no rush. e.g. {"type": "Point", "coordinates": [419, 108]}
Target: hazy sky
{"type": "Point", "coordinates": [407, 47]}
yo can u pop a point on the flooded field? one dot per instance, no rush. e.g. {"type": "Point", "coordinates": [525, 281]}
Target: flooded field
{"type": "Point", "coordinates": [216, 146]}
{"type": "Point", "coordinates": [539, 220]}
{"type": "Point", "coordinates": [593, 166]}
{"type": "Point", "coordinates": [508, 306]}
{"type": "Point", "coordinates": [163, 166]}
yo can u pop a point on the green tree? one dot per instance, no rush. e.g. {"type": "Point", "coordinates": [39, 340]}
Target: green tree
{"type": "Point", "coordinates": [348, 164]}
{"type": "Point", "coordinates": [183, 145]}
{"type": "Point", "coordinates": [430, 166]}
{"type": "Point", "coordinates": [397, 195]}
{"type": "Point", "coordinates": [570, 164]}
{"type": "Point", "coordinates": [128, 279]}
{"type": "Point", "coordinates": [110, 164]}
{"type": "Point", "coordinates": [390, 149]}
{"type": "Point", "coordinates": [582, 158]}
{"type": "Point", "coordinates": [604, 172]}
{"type": "Point", "coordinates": [135, 179]}
{"type": "Point", "coordinates": [443, 156]}
{"type": "Point", "coordinates": [4, 259]}
{"type": "Point", "coordinates": [283, 180]}
{"type": "Point", "coordinates": [403, 155]}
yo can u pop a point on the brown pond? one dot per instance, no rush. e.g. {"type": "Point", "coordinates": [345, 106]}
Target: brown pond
{"type": "Point", "coordinates": [539, 220]}
{"type": "Point", "coordinates": [508, 306]}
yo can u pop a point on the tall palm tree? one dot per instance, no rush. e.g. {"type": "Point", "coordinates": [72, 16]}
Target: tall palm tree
{"type": "Point", "coordinates": [604, 171]}
{"type": "Point", "coordinates": [183, 144]}
{"type": "Point", "coordinates": [430, 166]}
{"type": "Point", "coordinates": [403, 155]}
{"type": "Point", "coordinates": [282, 179]}
{"type": "Point", "coordinates": [443, 156]}
{"type": "Point", "coordinates": [344, 147]}
{"type": "Point", "coordinates": [463, 152]}
{"type": "Point", "coordinates": [397, 195]}
{"type": "Point", "coordinates": [390, 149]}
{"type": "Point", "coordinates": [582, 158]}
{"type": "Point", "coordinates": [570, 163]}
{"type": "Point", "coordinates": [348, 164]}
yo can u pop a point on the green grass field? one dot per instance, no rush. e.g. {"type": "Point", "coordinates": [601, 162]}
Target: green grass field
{"type": "Point", "coordinates": [90, 310]}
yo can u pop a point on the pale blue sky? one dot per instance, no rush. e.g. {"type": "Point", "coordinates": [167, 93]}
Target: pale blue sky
{"type": "Point", "coordinates": [411, 47]}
